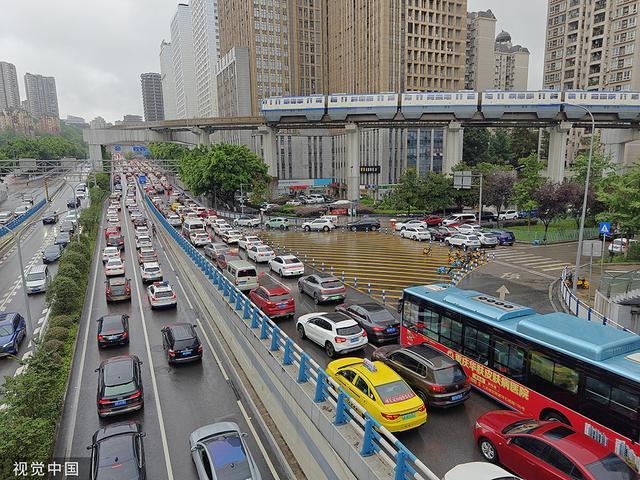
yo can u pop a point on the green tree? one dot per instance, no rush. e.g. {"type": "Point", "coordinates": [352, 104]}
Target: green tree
{"type": "Point", "coordinates": [498, 189]}
{"type": "Point", "coordinates": [500, 147]}
{"type": "Point", "coordinates": [475, 148]}
{"type": "Point", "coordinates": [600, 165]}
{"type": "Point", "coordinates": [551, 201]}
{"type": "Point", "coordinates": [620, 195]}
{"type": "Point", "coordinates": [436, 191]}
{"type": "Point", "coordinates": [528, 182]}
{"type": "Point", "coordinates": [407, 194]}
{"type": "Point", "coordinates": [524, 142]}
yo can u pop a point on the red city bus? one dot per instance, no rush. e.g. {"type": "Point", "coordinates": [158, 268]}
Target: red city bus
{"type": "Point", "coordinates": [552, 366]}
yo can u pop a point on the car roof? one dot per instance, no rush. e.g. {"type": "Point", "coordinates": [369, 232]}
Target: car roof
{"type": "Point", "coordinates": [118, 370]}
{"type": "Point", "coordinates": [117, 281]}
{"type": "Point", "coordinates": [7, 317]}
{"type": "Point", "coordinates": [381, 376]}
{"type": "Point", "coordinates": [324, 276]}
{"type": "Point", "coordinates": [150, 264]}
{"type": "Point", "coordinates": [581, 448]}
{"type": "Point", "coordinates": [433, 356]}
{"type": "Point", "coordinates": [182, 331]}
{"type": "Point", "coordinates": [336, 317]}
{"type": "Point", "coordinates": [275, 289]}
{"type": "Point", "coordinates": [117, 429]}
{"type": "Point", "coordinates": [37, 269]}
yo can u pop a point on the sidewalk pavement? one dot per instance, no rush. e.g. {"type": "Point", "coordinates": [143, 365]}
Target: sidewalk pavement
{"type": "Point", "coordinates": [588, 295]}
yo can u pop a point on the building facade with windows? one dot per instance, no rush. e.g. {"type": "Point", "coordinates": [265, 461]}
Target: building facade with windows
{"type": "Point", "coordinates": [183, 59]}
{"type": "Point", "coordinates": [42, 97]}
{"type": "Point", "coordinates": [9, 89]}
{"type": "Point", "coordinates": [152, 101]}
{"type": "Point", "coordinates": [168, 80]}
{"type": "Point", "coordinates": [206, 45]}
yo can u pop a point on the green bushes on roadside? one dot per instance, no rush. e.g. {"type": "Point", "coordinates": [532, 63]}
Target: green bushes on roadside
{"type": "Point", "coordinates": [34, 399]}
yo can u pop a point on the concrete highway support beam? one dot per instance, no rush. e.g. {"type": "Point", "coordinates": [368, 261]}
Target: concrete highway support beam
{"type": "Point", "coordinates": [203, 135]}
{"type": "Point", "coordinates": [453, 143]}
{"type": "Point", "coordinates": [269, 140]}
{"type": "Point", "coordinates": [614, 143]}
{"type": "Point", "coordinates": [558, 137]}
{"type": "Point", "coordinates": [352, 143]}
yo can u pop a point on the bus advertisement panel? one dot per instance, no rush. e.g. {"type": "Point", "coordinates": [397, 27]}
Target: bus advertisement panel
{"type": "Point", "coordinates": [552, 367]}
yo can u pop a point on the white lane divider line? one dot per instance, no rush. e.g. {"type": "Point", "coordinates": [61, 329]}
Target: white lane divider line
{"type": "Point", "coordinates": [44, 311]}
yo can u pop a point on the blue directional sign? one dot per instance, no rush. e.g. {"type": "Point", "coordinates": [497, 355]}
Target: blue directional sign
{"type": "Point", "coordinates": [142, 179]}
{"type": "Point", "coordinates": [605, 228]}
{"type": "Point", "coordinates": [117, 148]}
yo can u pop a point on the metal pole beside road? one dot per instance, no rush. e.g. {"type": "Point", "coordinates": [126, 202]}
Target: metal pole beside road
{"type": "Point", "coordinates": [480, 203]}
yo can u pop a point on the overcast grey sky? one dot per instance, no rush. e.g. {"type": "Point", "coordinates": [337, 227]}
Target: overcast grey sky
{"type": "Point", "coordinates": [526, 21]}
{"type": "Point", "coordinates": [97, 49]}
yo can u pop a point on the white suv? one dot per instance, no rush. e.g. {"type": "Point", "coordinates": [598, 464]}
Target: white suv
{"type": "Point", "coordinates": [318, 224]}
{"type": "Point", "coordinates": [460, 240]}
{"type": "Point", "coordinates": [508, 215]}
{"type": "Point", "coordinates": [336, 332]}
{"type": "Point", "coordinates": [415, 233]}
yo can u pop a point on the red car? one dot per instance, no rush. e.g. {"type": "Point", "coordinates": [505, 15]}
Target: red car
{"type": "Point", "coordinates": [432, 220]}
{"type": "Point", "coordinates": [274, 299]}
{"type": "Point", "coordinates": [113, 230]}
{"type": "Point", "coordinates": [210, 212]}
{"type": "Point", "coordinates": [226, 257]}
{"type": "Point", "coordinates": [544, 450]}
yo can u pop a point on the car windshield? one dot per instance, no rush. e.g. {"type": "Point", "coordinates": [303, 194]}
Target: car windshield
{"type": "Point", "coordinates": [247, 272]}
{"type": "Point", "coordinates": [228, 457]}
{"type": "Point", "coordinates": [449, 375]}
{"type": "Point", "coordinates": [112, 323]}
{"type": "Point", "coordinates": [522, 426]}
{"type": "Point", "coordinates": [5, 214]}
{"type": "Point", "coordinates": [291, 260]}
{"type": "Point", "coordinates": [473, 237]}
{"type": "Point", "coordinates": [5, 331]}
{"type": "Point", "coordinates": [264, 249]}
{"type": "Point", "coordinates": [151, 269]}
{"type": "Point", "coordinates": [394, 392]}
{"type": "Point", "coordinates": [35, 276]}
{"type": "Point", "coordinates": [163, 294]}
{"type": "Point", "coordinates": [184, 343]}
{"type": "Point", "coordinates": [116, 459]}
{"type": "Point", "coordinates": [611, 467]}
{"type": "Point", "coordinates": [110, 391]}
{"type": "Point", "coordinates": [279, 298]}
{"type": "Point", "coordinates": [331, 284]}
{"type": "Point", "coordinates": [350, 330]}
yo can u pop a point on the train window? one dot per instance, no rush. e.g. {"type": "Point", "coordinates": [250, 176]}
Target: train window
{"type": "Point", "coordinates": [447, 96]}
{"type": "Point", "coordinates": [286, 101]}
{"type": "Point", "coordinates": [408, 97]}
{"type": "Point", "coordinates": [635, 96]}
{"type": "Point", "coordinates": [488, 96]}
{"type": "Point", "coordinates": [571, 95]}
{"type": "Point", "coordinates": [612, 96]}
{"type": "Point", "coordinates": [554, 96]}
{"type": "Point", "coordinates": [512, 96]}
{"type": "Point", "coordinates": [299, 100]}
{"type": "Point", "coordinates": [521, 96]}
{"type": "Point", "coordinates": [319, 100]}
{"type": "Point", "coordinates": [529, 95]}
{"type": "Point", "coordinates": [471, 96]}
{"type": "Point", "coordinates": [333, 100]}
{"type": "Point", "coordinates": [369, 98]}
{"type": "Point", "coordinates": [390, 97]}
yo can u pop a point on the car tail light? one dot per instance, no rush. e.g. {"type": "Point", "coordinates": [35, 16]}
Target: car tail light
{"type": "Point", "coordinates": [172, 353]}
{"type": "Point", "coordinates": [340, 339]}
{"type": "Point", "coordinates": [364, 333]}
{"type": "Point", "coordinates": [100, 338]}
{"type": "Point", "coordinates": [423, 408]}
{"type": "Point", "coordinates": [389, 416]}
{"type": "Point", "coordinates": [104, 402]}
{"type": "Point", "coordinates": [199, 348]}
{"type": "Point", "coordinates": [125, 334]}
{"type": "Point", "coordinates": [133, 396]}
{"type": "Point", "coordinates": [236, 281]}
{"type": "Point", "coordinates": [438, 388]}
{"type": "Point", "coordinates": [173, 295]}
{"type": "Point", "coordinates": [127, 289]}
{"type": "Point", "coordinates": [378, 329]}
{"type": "Point", "coordinates": [108, 291]}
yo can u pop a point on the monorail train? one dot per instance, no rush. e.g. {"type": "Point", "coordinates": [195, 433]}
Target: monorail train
{"type": "Point", "coordinates": [464, 104]}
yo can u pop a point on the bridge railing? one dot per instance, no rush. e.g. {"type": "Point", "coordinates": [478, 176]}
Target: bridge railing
{"type": "Point", "coordinates": [374, 439]}
{"type": "Point", "coordinates": [22, 218]}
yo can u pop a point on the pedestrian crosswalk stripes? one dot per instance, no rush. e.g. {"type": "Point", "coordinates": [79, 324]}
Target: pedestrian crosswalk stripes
{"type": "Point", "coordinates": [524, 258]}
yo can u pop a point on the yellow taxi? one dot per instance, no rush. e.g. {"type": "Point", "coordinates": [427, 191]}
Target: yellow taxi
{"type": "Point", "coordinates": [381, 391]}
{"type": "Point", "coordinates": [174, 206]}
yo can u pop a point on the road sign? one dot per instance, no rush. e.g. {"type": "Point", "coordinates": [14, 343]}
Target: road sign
{"type": "Point", "coordinates": [142, 179]}
{"type": "Point", "coordinates": [592, 248]}
{"type": "Point", "coordinates": [462, 179]}
{"type": "Point", "coordinates": [605, 228]}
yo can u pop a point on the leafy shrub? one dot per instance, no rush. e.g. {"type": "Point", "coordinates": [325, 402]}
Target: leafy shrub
{"type": "Point", "coordinates": [63, 321]}
{"type": "Point", "coordinates": [364, 210]}
{"type": "Point", "coordinates": [65, 294]}
{"type": "Point", "coordinates": [57, 333]}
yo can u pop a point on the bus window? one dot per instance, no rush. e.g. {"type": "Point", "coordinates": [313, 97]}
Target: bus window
{"type": "Point", "coordinates": [610, 397]}
{"type": "Point", "coordinates": [554, 373]}
{"type": "Point", "coordinates": [430, 322]}
{"type": "Point", "coordinates": [476, 344]}
{"type": "Point", "coordinates": [508, 358]}
{"type": "Point", "coordinates": [450, 332]}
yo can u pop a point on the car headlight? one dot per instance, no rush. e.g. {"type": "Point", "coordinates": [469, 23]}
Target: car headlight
{"type": "Point", "coordinates": [7, 345]}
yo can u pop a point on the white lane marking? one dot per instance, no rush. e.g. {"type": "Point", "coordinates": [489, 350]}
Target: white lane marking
{"type": "Point", "coordinates": [45, 311]}
{"type": "Point", "coordinates": [258, 441]}
{"type": "Point", "coordinates": [37, 331]}
{"type": "Point", "coordinates": [556, 267]}
{"type": "Point", "coordinates": [27, 355]}
{"type": "Point", "coordinates": [76, 396]}
{"type": "Point", "coordinates": [163, 433]}
{"type": "Point", "coordinates": [542, 262]}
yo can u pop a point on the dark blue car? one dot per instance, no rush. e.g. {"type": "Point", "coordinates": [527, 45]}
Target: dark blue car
{"type": "Point", "coordinates": [13, 329]}
{"type": "Point", "coordinates": [505, 237]}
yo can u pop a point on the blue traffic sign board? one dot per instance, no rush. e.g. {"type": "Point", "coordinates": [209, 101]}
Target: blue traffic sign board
{"type": "Point", "coordinates": [142, 179]}
{"type": "Point", "coordinates": [605, 228]}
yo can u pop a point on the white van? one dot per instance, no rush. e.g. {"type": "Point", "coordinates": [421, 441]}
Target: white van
{"type": "Point", "coordinates": [315, 198]}
{"type": "Point", "coordinates": [192, 225]}
{"type": "Point", "coordinates": [460, 218]}
{"type": "Point", "coordinates": [242, 274]}
{"type": "Point", "coordinates": [38, 279]}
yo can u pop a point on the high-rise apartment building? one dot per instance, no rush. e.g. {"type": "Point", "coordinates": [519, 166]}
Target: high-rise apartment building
{"type": "Point", "coordinates": [206, 44]}
{"type": "Point", "coordinates": [591, 45]}
{"type": "Point", "coordinates": [42, 97]}
{"type": "Point", "coordinates": [152, 101]}
{"type": "Point", "coordinates": [510, 69]}
{"type": "Point", "coordinates": [511, 64]}
{"type": "Point", "coordinates": [168, 80]}
{"type": "Point", "coordinates": [9, 90]}
{"type": "Point", "coordinates": [481, 32]}
{"type": "Point", "coordinates": [393, 45]}
{"type": "Point", "coordinates": [183, 57]}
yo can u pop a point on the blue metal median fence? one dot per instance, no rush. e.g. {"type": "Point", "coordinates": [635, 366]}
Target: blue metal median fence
{"type": "Point", "coordinates": [371, 437]}
{"type": "Point", "coordinates": [25, 216]}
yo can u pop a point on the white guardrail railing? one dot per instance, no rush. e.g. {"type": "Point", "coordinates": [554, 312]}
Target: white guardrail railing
{"type": "Point", "coordinates": [581, 309]}
{"type": "Point", "coordinates": [374, 439]}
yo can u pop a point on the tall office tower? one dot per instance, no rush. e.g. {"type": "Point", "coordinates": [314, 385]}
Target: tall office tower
{"type": "Point", "coordinates": [481, 31]}
{"type": "Point", "coordinates": [393, 45]}
{"type": "Point", "coordinates": [206, 44]}
{"type": "Point", "coordinates": [9, 91]}
{"type": "Point", "coordinates": [168, 80]}
{"type": "Point", "coordinates": [511, 64]}
{"type": "Point", "coordinates": [286, 42]}
{"type": "Point", "coordinates": [41, 95]}
{"type": "Point", "coordinates": [591, 45]}
{"type": "Point", "coordinates": [152, 101]}
{"type": "Point", "coordinates": [184, 62]}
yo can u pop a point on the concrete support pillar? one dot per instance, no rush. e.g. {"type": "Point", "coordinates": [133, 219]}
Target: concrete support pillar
{"type": "Point", "coordinates": [352, 152]}
{"type": "Point", "coordinates": [453, 142]}
{"type": "Point", "coordinates": [614, 142]}
{"type": "Point", "coordinates": [558, 137]}
{"type": "Point", "coordinates": [269, 140]}
{"type": "Point", "coordinates": [95, 155]}
{"type": "Point", "coordinates": [203, 135]}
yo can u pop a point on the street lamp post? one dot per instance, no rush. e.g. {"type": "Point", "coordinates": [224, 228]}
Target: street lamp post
{"type": "Point", "coordinates": [584, 200]}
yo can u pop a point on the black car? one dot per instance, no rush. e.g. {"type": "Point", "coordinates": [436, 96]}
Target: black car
{"type": "Point", "coordinates": [364, 224]}
{"type": "Point", "coordinates": [51, 253]}
{"type": "Point", "coordinates": [67, 226]}
{"type": "Point", "coordinates": [117, 451]}
{"type": "Point", "coordinates": [73, 203]}
{"type": "Point", "coordinates": [119, 386]}
{"type": "Point", "coordinates": [380, 325]}
{"type": "Point", "coordinates": [181, 343]}
{"type": "Point", "coordinates": [50, 218]}
{"type": "Point", "coordinates": [63, 238]}
{"type": "Point", "coordinates": [113, 330]}
{"type": "Point", "coordinates": [437, 379]}
{"type": "Point", "coordinates": [115, 240]}
{"type": "Point", "coordinates": [440, 233]}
